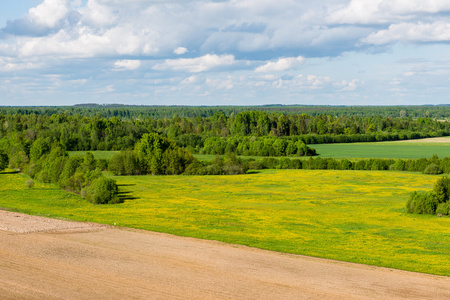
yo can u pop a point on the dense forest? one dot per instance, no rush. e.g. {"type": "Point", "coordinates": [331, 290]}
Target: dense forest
{"type": "Point", "coordinates": [166, 112]}
{"type": "Point", "coordinates": [246, 133]}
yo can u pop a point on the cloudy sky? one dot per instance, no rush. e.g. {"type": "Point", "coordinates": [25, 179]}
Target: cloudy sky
{"type": "Point", "coordinates": [224, 52]}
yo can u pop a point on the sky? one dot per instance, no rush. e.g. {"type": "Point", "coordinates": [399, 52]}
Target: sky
{"type": "Point", "coordinates": [224, 52]}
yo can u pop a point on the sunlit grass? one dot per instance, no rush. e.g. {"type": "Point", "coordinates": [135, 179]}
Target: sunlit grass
{"type": "Point", "coordinates": [355, 216]}
{"type": "Point", "coordinates": [407, 150]}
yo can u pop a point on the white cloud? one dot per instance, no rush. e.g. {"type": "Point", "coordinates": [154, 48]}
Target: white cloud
{"type": "Point", "coordinates": [49, 13]}
{"type": "Point", "coordinates": [98, 14]}
{"type": "Point", "coordinates": [410, 32]}
{"type": "Point", "coordinates": [191, 80]}
{"type": "Point", "coordinates": [180, 51]}
{"type": "Point", "coordinates": [358, 12]}
{"type": "Point", "coordinates": [256, 41]}
{"type": "Point", "coordinates": [415, 6]}
{"type": "Point", "coordinates": [345, 85]}
{"type": "Point", "coordinates": [385, 11]}
{"type": "Point", "coordinates": [128, 64]}
{"type": "Point", "coordinates": [196, 65]}
{"type": "Point", "coordinates": [283, 64]}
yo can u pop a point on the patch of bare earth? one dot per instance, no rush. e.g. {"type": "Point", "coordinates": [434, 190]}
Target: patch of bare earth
{"type": "Point", "coordinates": [437, 140]}
{"type": "Point", "coordinates": [71, 260]}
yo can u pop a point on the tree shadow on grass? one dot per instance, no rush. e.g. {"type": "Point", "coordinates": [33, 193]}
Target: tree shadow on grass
{"type": "Point", "coordinates": [253, 172]}
{"type": "Point", "coordinates": [123, 196]}
{"type": "Point", "coordinates": [11, 172]}
{"type": "Point", "coordinates": [130, 184]}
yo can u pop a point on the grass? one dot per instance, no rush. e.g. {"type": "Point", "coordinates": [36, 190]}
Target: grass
{"type": "Point", "coordinates": [410, 150]}
{"type": "Point", "coordinates": [355, 216]}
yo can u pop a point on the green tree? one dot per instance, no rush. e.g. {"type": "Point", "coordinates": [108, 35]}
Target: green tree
{"type": "Point", "coordinates": [4, 160]}
{"type": "Point", "coordinates": [442, 189]}
{"type": "Point", "coordinates": [103, 191]}
{"type": "Point", "coordinates": [158, 155]}
{"type": "Point", "coordinates": [89, 161]}
{"type": "Point", "coordinates": [38, 149]}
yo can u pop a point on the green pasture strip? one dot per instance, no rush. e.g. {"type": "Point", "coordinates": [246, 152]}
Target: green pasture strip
{"type": "Point", "coordinates": [97, 154]}
{"type": "Point", "coordinates": [383, 150]}
{"type": "Point", "coordinates": [355, 216]}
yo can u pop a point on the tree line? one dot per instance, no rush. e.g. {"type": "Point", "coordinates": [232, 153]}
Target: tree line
{"type": "Point", "coordinates": [158, 155]}
{"type": "Point", "coordinates": [163, 112]}
{"type": "Point", "coordinates": [433, 165]}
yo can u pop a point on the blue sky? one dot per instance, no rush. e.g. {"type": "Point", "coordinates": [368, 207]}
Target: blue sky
{"type": "Point", "coordinates": [225, 52]}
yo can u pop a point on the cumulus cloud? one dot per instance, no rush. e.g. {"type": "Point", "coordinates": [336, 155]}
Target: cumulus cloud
{"type": "Point", "coordinates": [283, 64]}
{"type": "Point", "coordinates": [249, 28]}
{"type": "Point", "coordinates": [180, 50]}
{"type": "Point", "coordinates": [49, 13]}
{"type": "Point", "coordinates": [409, 32]}
{"type": "Point", "coordinates": [97, 14]}
{"type": "Point", "coordinates": [196, 65]}
{"type": "Point", "coordinates": [257, 41]}
{"type": "Point", "coordinates": [351, 85]}
{"type": "Point", "coordinates": [128, 64]}
{"type": "Point", "coordinates": [41, 19]}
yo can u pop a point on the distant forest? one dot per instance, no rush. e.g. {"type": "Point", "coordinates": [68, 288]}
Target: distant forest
{"type": "Point", "coordinates": [161, 112]}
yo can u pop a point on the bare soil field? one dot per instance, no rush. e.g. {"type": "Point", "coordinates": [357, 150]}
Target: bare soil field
{"type": "Point", "coordinates": [52, 259]}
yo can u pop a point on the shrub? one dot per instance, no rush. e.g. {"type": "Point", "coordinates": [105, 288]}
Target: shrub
{"type": "Point", "coordinates": [432, 169]}
{"type": "Point", "coordinates": [255, 165]}
{"type": "Point", "coordinates": [346, 165]}
{"type": "Point", "coordinates": [196, 168]}
{"type": "Point", "coordinates": [102, 164]}
{"type": "Point", "coordinates": [29, 183]}
{"type": "Point", "coordinates": [443, 209]}
{"type": "Point", "coordinates": [102, 191]}
{"type": "Point", "coordinates": [422, 203]}
{"type": "Point", "coordinates": [399, 165]}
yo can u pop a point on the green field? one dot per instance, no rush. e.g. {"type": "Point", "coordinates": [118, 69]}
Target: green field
{"type": "Point", "coordinates": [355, 216]}
{"type": "Point", "coordinates": [383, 150]}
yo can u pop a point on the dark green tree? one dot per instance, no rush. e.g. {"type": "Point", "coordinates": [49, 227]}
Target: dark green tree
{"type": "Point", "coordinates": [4, 160]}
{"type": "Point", "coordinates": [103, 191]}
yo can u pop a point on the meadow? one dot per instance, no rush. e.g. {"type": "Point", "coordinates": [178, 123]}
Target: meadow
{"type": "Point", "coordinates": [355, 216]}
{"type": "Point", "coordinates": [398, 149]}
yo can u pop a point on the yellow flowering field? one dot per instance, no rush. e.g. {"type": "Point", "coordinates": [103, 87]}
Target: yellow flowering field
{"type": "Point", "coordinates": [356, 216]}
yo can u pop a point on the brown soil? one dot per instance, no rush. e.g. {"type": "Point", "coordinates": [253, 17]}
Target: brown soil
{"type": "Point", "coordinates": [52, 259]}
